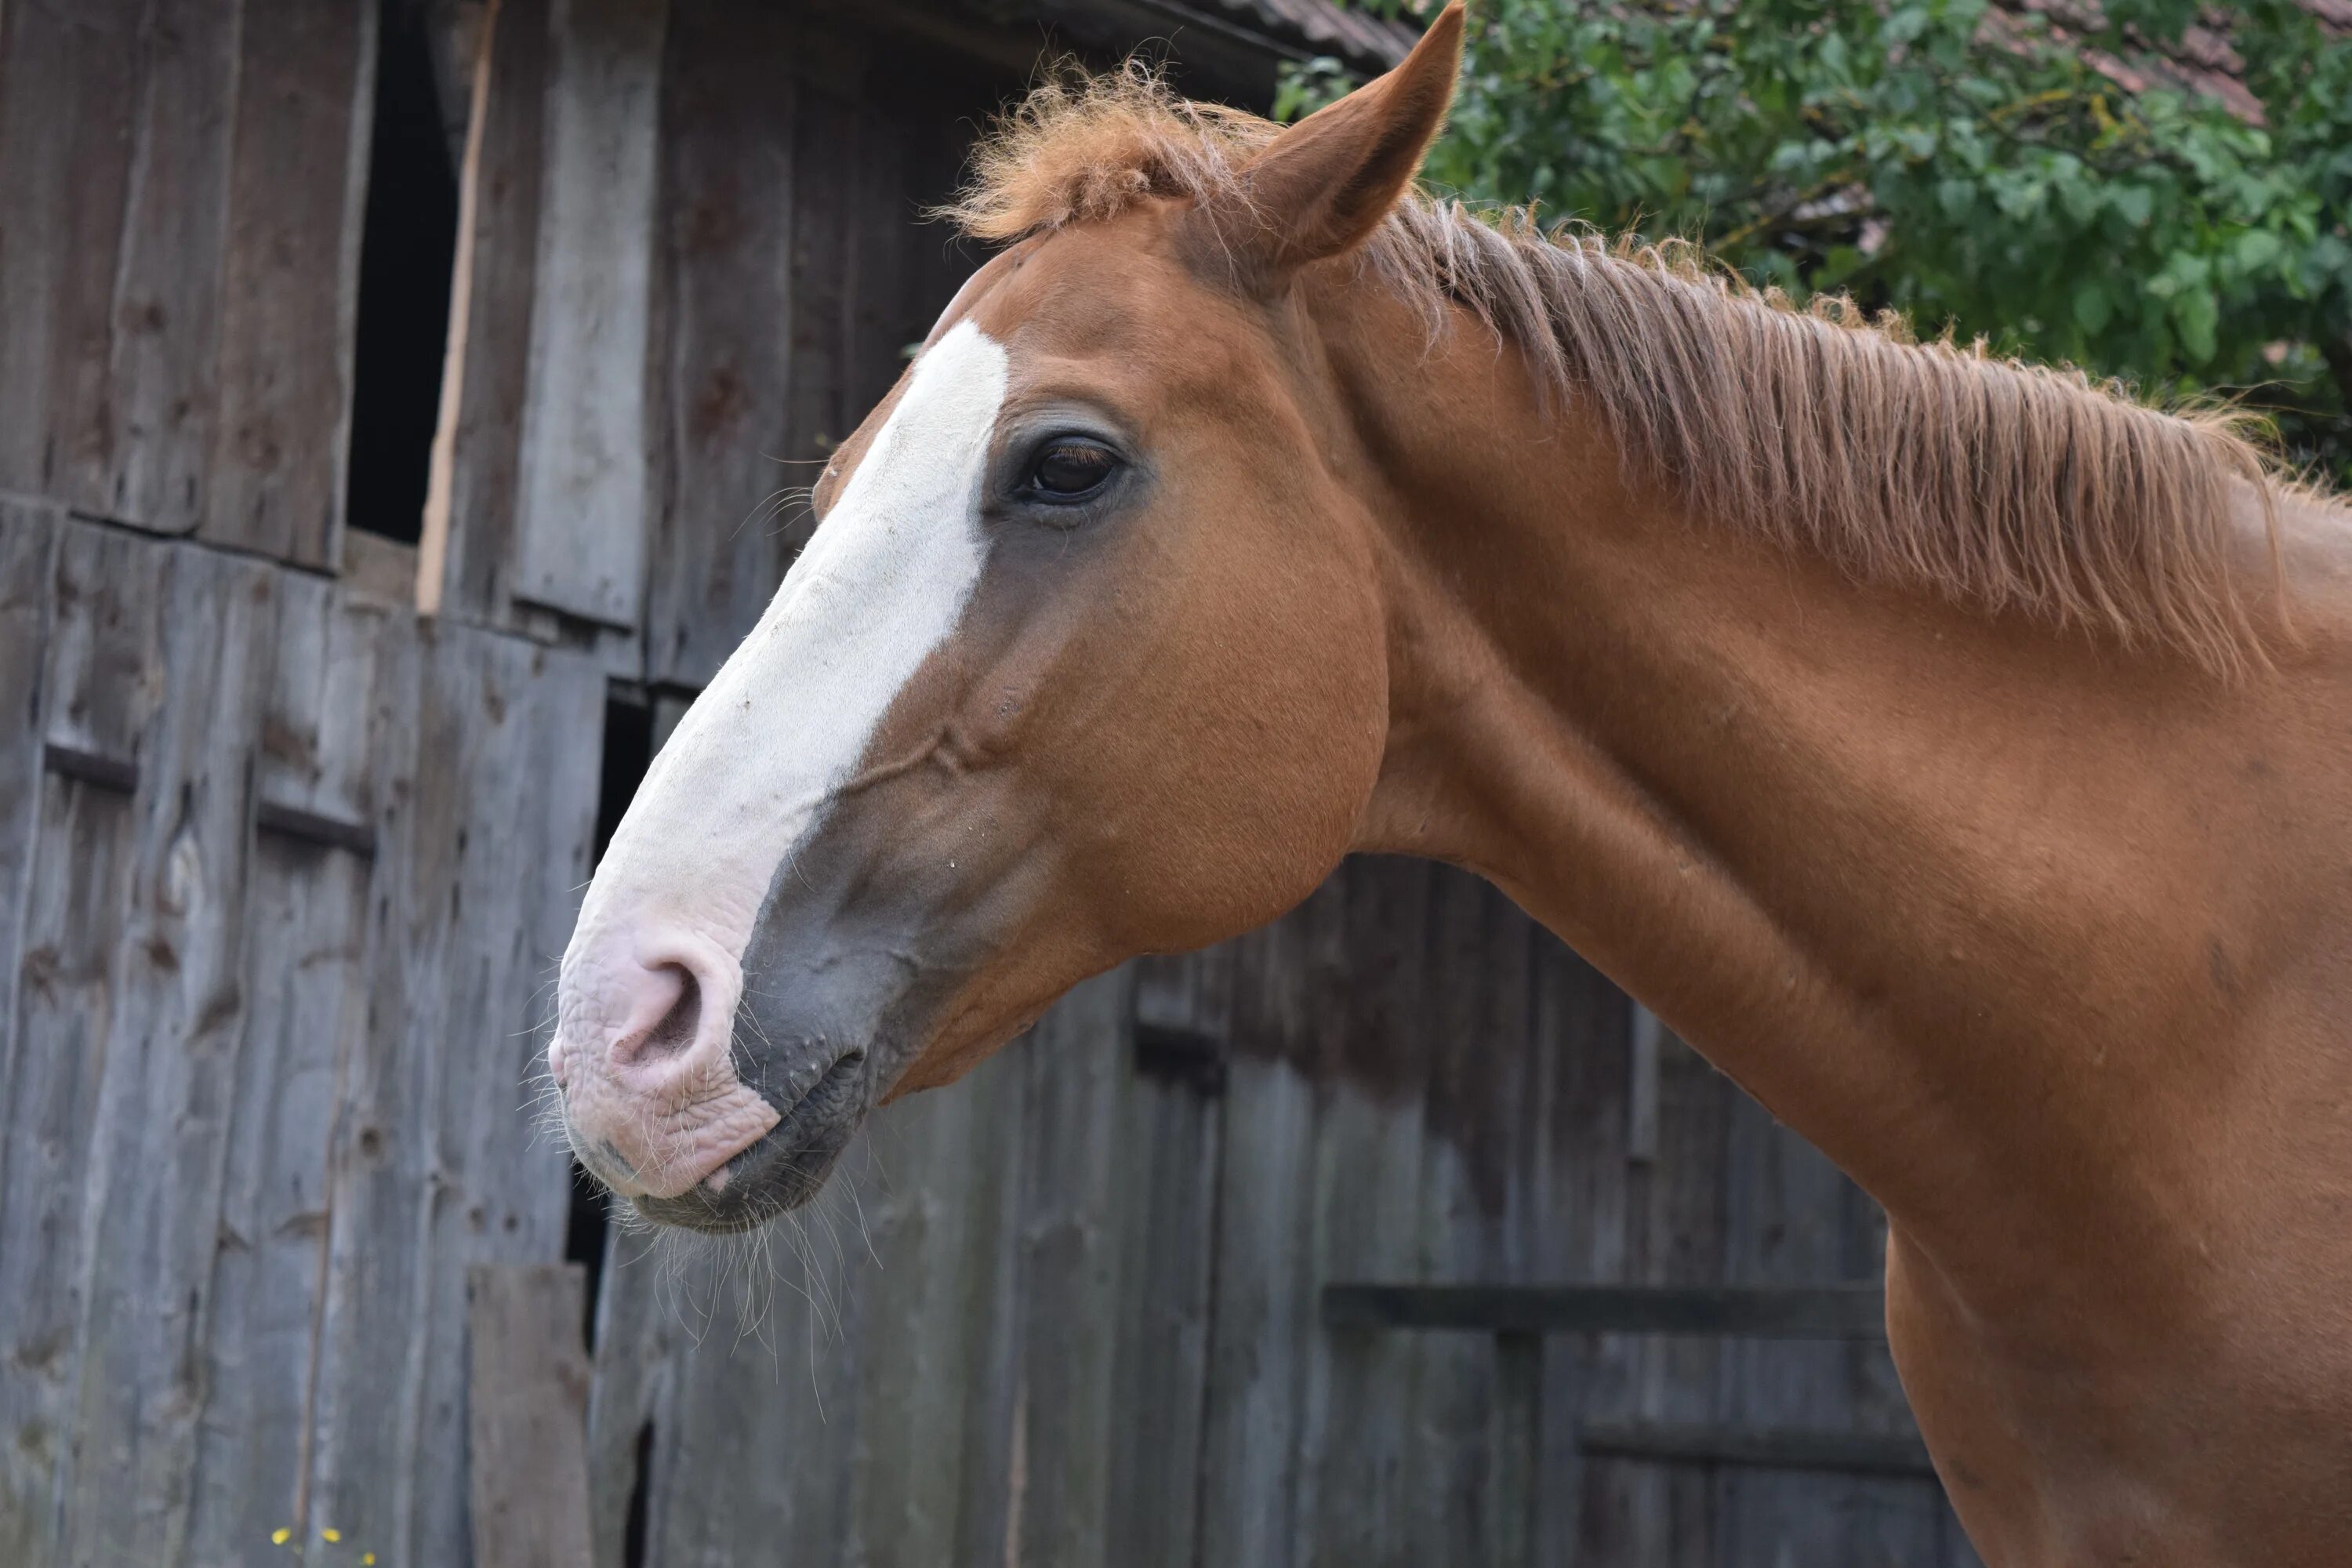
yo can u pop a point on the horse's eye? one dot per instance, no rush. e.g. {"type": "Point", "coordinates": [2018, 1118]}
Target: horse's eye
{"type": "Point", "coordinates": [1070, 469]}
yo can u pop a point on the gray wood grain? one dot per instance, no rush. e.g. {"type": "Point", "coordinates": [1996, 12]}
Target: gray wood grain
{"type": "Point", "coordinates": [307, 930]}
{"type": "Point", "coordinates": [1070, 1287]}
{"type": "Point", "coordinates": [1264, 1332]}
{"type": "Point", "coordinates": [487, 442]}
{"type": "Point", "coordinates": [1165, 1226]}
{"type": "Point", "coordinates": [726, 528]}
{"type": "Point", "coordinates": [1785, 1222]}
{"type": "Point", "coordinates": [486, 749]}
{"type": "Point", "coordinates": [290, 279]}
{"type": "Point", "coordinates": [933, 1460]}
{"type": "Point", "coordinates": [1354, 1494]}
{"type": "Point", "coordinates": [68, 86]}
{"type": "Point", "coordinates": [527, 1412]}
{"type": "Point", "coordinates": [28, 539]}
{"type": "Point", "coordinates": [159, 406]}
{"type": "Point", "coordinates": [581, 546]}
{"type": "Point", "coordinates": [147, 1201]}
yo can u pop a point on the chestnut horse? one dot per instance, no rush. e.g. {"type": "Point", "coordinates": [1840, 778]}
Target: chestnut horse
{"type": "Point", "coordinates": [1955, 752]}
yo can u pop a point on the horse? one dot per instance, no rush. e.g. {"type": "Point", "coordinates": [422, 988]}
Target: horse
{"type": "Point", "coordinates": [1957, 752]}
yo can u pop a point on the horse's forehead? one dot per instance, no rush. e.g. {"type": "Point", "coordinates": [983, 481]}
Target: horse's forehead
{"type": "Point", "coordinates": [1104, 285]}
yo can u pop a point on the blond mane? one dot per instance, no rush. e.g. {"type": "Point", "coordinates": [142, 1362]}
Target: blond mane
{"type": "Point", "coordinates": [1992, 482]}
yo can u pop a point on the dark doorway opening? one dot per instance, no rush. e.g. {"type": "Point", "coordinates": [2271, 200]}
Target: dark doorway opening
{"type": "Point", "coordinates": [628, 750]}
{"type": "Point", "coordinates": [406, 247]}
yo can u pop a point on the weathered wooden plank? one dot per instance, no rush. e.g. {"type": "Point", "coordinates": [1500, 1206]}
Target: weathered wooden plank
{"type": "Point", "coordinates": [28, 538]}
{"type": "Point", "coordinates": [728, 526]}
{"type": "Point", "coordinates": [1679, 1200]}
{"type": "Point", "coordinates": [1476, 1023]}
{"type": "Point", "coordinates": [1776, 1312]}
{"type": "Point", "coordinates": [488, 748]}
{"type": "Point", "coordinates": [35, 1119]}
{"type": "Point", "coordinates": [933, 1461]}
{"type": "Point", "coordinates": [290, 283]}
{"type": "Point", "coordinates": [69, 88]}
{"type": "Point", "coordinates": [1576, 1196]}
{"type": "Point", "coordinates": [493, 362]}
{"type": "Point", "coordinates": [379, 1178]}
{"type": "Point", "coordinates": [149, 1196]}
{"type": "Point", "coordinates": [1771, 1447]}
{"type": "Point", "coordinates": [821, 409]}
{"type": "Point", "coordinates": [526, 1416]}
{"type": "Point", "coordinates": [630, 1404]}
{"type": "Point", "coordinates": [306, 926]}
{"type": "Point", "coordinates": [162, 362]}
{"type": "Point", "coordinates": [1359, 1395]}
{"type": "Point", "coordinates": [1515, 1443]}
{"type": "Point", "coordinates": [1785, 1222]}
{"type": "Point", "coordinates": [1264, 1331]}
{"type": "Point", "coordinates": [523, 822]}
{"type": "Point", "coordinates": [1170, 1137]}
{"type": "Point", "coordinates": [581, 545]}
{"type": "Point", "coordinates": [1070, 1289]}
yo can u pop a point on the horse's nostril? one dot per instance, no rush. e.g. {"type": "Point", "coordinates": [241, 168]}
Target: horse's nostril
{"type": "Point", "coordinates": [676, 1031]}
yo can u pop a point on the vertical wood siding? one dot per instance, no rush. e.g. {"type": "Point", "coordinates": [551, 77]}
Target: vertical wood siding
{"type": "Point", "coordinates": [276, 958]}
{"type": "Point", "coordinates": [180, 187]}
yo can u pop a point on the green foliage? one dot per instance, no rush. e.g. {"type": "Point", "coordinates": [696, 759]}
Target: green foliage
{"type": "Point", "coordinates": [1955, 161]}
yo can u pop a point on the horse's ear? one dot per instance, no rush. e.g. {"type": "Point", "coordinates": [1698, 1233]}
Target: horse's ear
{"type": "Point", "coordinates": [1323, 185]}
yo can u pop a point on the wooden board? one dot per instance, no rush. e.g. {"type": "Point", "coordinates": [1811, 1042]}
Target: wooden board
{"type": "Point", "coordinates": [160, 407]}
{"type": "Point", "coordinates": [580, 544]}
{"type": "Point", "coordinates": [487, 752]}
{"type": "Point", "coordinates": [527, 1410]}
{"type": "Point", "coordinates": [727, 529]}
{"type": "Point", "coordinates": [1263, 1330]}
{"type": "Point", "coordinates": [307, 933]}
{"type": "Point", "coordinates": [1169, 1135]}
{"type": "Point", "coordinates": [128, 1033]}
{"type": "Point", "coordinates": [29, 537]}
{"type": "Point", "coordinates": [181, 181]}
{"type": "Point", "coordinates": [495, 359]}
{"type": "Point", "coordinates": [68, 87]}
{"type": "Point", "coordinates": [289, 279]}
{"type": "Point", "coordinates": [29, 1129]}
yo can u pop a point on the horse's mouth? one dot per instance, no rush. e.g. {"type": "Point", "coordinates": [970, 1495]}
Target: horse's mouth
{"type": "Point", "coordinates": [784, 1168]}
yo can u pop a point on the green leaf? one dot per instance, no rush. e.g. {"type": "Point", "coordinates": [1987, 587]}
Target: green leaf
{"type": "Point", "coordinates": [2132, 203]}
{"type": "Point", "coordinates": [2093, 308]}
{"type": "Point", "coordinates": [2198, 315]}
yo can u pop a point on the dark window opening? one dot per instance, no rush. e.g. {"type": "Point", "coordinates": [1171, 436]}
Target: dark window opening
{"type": "Point", "coordinates": [632, 1533]}
{"type": "Point", "coordinates": [628, 751]}
{"type": "Point", "coordinates": [406, 247]}
{"type": "Point", "coordinates": [586, 1227]}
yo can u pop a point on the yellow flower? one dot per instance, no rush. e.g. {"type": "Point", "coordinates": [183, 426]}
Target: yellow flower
{"type": "Point", "coordinates": [331, 1536]}
{"type": "Point", "coordinates": [368, 1558]}
{"type": "Point", "coordinates": [280, 1536]}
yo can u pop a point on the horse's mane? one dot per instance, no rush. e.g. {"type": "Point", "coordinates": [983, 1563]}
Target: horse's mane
{"type": "Point", "coordinates": [1992, 482]}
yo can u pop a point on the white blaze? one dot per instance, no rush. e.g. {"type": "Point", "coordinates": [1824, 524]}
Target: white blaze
{"type": "Point", "coordinates": [881, 584]}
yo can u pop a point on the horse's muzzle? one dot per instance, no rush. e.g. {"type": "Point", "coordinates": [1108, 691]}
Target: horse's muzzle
{"type": "Point", "coordinates": [789, 1163]}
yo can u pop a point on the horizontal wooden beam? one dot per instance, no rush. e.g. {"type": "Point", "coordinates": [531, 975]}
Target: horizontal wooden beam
{"type": "Point", "coordinates": [312, 827]}
{"type": "Point", "coordinates": [87, 767]}
{"type": "Point", "coordinates": [1757, 1312]}
{"type": "Point", "coordinates": [1774, 1447]}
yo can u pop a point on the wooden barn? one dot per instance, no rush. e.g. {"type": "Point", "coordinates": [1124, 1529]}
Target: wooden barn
{"type": "Point", "coordinates": [390, 402]}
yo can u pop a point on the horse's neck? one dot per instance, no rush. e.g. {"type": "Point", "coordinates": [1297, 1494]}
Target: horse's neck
{"type": "Point", "coordinates": [1964, 901]}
